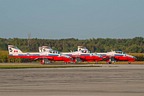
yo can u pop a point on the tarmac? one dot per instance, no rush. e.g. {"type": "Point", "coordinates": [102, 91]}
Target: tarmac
{"type": "Point", "coordinates": [102, 80]}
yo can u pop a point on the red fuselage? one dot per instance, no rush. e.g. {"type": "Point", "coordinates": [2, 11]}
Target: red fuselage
{"type": "Point", "coordinates": [84, 57]}
{"type": "Point", "coordinates": [49, 57]}
{"type": "Point", "coordinates": [90, 58]}
{"type": "Point", "coordinates": [124, 58]}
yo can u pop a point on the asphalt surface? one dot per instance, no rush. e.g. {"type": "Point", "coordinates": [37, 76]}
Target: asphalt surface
{"type": "Point", "coordinates": [106, 80]}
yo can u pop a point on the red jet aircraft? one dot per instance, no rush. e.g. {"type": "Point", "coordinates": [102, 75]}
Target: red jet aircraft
{"type": "Point", "coordinates": [115, 56]}
{"type": "Point", "coordinates": [43, 56]}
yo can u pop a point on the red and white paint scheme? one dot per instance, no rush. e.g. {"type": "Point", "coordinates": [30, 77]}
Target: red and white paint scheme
{"type": "Point", "coordinates": [45, 57]}
{"type": "Point", "coordinates": [115, 56]}
{"type": "Point", "coordinates": [83, 54]}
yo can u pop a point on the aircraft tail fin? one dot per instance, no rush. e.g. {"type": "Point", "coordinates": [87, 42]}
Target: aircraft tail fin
{"type": "Point", "coordinates": [44, 49]}
{"type": "Point", "coordinates": [83, 49]}
{"type": "Point", "coordinates": [40, 49]}
{"type": "Point", "coordinates": [13, 50]}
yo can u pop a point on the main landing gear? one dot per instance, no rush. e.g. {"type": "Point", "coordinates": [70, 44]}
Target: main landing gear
{"type": "Point", "coordinates": [45, 61]}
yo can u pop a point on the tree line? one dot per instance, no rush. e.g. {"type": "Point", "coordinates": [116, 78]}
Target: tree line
{"type": "Point", "coordinates": [134, 45]}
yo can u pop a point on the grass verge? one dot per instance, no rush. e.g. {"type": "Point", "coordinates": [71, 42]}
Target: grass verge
{"type": "Point", "coordinates": [56, 65]}
{"type": "Point", "coordinates": [22, 66]}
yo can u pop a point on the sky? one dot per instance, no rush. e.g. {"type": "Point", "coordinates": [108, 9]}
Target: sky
{"type": "Point", "coordinates": [80, 19]}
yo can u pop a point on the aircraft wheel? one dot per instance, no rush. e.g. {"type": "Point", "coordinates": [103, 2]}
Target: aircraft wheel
{"type": "Point", "coordinates": [96, 62]}
{"type": "Point", "coordinates": [110, 62]}
{"type": "Point", "coordinates": [129, 62]}
{"type": "Point", "coordinates": [42, 62]}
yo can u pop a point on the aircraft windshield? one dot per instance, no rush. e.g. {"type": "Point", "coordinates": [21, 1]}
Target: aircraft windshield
{"type": "Point", "coordinates": [120, 52]}
{"type": "Point", "coordinates": [53, 51]}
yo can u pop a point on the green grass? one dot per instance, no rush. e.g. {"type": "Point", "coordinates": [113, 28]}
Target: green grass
{"type": "Point", "coordinates": [22, 65]}
{"type": "Point", "coordinates": [57, 65]}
